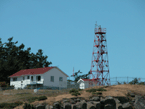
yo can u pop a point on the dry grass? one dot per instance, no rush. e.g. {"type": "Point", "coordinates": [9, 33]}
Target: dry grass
{"type": "Point", "coordinates": [117, 90]}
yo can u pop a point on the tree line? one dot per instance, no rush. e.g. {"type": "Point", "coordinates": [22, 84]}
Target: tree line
{"type": "Point", "coordinates": [14, 58]}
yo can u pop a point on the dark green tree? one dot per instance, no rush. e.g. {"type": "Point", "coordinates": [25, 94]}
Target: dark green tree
{"type": "Point", "coordinates": [77, 77]}
{"type": "Point", "coordinates": [14, 58]}
{"type": "Point", "coordinates": [135, 81]}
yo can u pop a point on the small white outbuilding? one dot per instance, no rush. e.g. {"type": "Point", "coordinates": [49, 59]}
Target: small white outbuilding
{"type": "Point", "coordinates": [84, 83]}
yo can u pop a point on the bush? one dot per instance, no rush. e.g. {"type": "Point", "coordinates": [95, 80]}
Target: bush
{"type": "Point", "coordinates": [97, 93]}
{"type": "Point", "coordinates": [28, 86]}
{"type": "Point", "coordinates": [28, 106]}
{"type": "Point", "coordinates": [42, 98]}
{"type": "Point", "coordinates": [74, 92]}
{"type": "Point", "coordinates": [141, 83]}
{"type": "Point", "coordinates": [118, 83]}
{"type": "Point", "coordinates": [94, 90]}
{"type": "Point", "coordinates": [80, 89]}
{"type": "Point", "coordinates": [2, 105]}
{"type": "Point", "coordinates": [32, 99]}
{"type": "Point", "coordinates": [19, 88]}
{"type": "Point", "coordinates": [11, 87]}
{"type": "Point", "coordinates": [10, 105]}
{"type": "Point", "coordinates": [124, 82]}
{"type": "Point", "coordinates": [101, 89]}
{"type": "Point", "coordinates": [91, 90]}
{"type": "Point", "coordinates": [135, 81]}
{"type": "Point", "coordinates": [3, 84]}
{"type": "Point", "coordinates": [18, 102]}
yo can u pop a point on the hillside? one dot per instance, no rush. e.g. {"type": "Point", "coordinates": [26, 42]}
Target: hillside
{"type": "Point", "coordinates": [117, 90]}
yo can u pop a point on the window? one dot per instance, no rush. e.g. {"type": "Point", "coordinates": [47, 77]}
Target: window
{"type": "Point", "coordinates": [27, 77]}
{"type": "Point", "coordinates": [52, 78]}
{"type": "Point", "coordinates": [31, 78]}
{"type": "Point", "coordinates": [24, 78]}
{"type": "Point", "coordinates": [60, 79]}
{"type": "Point", "coordinates": [14, 79]}
{"type": "Point", "coordinates": [38, 78]}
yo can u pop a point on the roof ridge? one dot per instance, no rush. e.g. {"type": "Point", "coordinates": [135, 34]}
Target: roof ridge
{"type": "Point", "coordinates": [32, 71]}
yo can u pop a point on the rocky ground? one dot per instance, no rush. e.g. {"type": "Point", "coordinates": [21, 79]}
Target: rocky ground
{"type": "Point", "coordinates": [119, 96]}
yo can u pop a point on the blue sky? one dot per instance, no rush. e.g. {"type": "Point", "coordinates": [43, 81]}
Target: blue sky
{"type": "Point", "coordinates": [64, 30]}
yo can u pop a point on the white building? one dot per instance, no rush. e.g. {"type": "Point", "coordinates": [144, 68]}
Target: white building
{"type": "Point", "coordinates": [84, 83]}
{"type": "Point", "coordinates": [47, 76]}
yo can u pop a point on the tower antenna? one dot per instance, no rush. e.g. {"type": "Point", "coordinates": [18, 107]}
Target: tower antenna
{"type": "Point", "coordinates": [99, 73]}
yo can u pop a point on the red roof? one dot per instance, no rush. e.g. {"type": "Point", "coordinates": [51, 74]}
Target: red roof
{"type": "Point", "coordinates": [32, 71]}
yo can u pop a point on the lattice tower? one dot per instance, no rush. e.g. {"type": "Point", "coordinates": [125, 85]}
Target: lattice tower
{"type": "Point", "coordinates": [99, 73]}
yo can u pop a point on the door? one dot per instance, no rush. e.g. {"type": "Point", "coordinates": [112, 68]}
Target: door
{"type": "Point", "coordinates": [82, 86]}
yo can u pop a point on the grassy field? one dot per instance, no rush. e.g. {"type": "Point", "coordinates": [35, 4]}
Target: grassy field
{"type": "Point", "coordinates": [10, 96]}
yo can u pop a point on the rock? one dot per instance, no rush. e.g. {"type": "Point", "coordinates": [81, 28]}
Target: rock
{"type": "Point", "coordinates": [78, 100]}
{"type": "Point", "coordinates": [122, 99]}
{"type": "Point", "coordinates": [97, 104]}
{"type": "Point", "coordinates": [56, 105]}
{"type": "Point", "coordinates": [72, 101]}
{"type": "Point", "coordinates": [109, 106]}
{"type": "Point", "coordinates": [67, 106]}
{"type": "Point", "coordinates": [119, 106]}
{"type": "Point", "coordinates": [108, 102]}
{"type": "Point", "coordinates": [132, 94]}
{"type": "Point", "coordinates": [47, 107]}
{"type": "Point", "coordinates": [126, 106]}
{"type": "Point", "coordinates": [40, 106]}
{"type": "Point", "coordinates": [90, 105]}
{"type": "Point", "coordinates": [139, 102]}
{"type": "Point", "coordinates": [95, 99]}
{"type": "Point", "coordinates": [0, 89]}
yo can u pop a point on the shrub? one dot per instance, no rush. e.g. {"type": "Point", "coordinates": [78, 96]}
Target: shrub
{"type": "Point", "coordinates": [28, 86]}
{"type": "Point", "coordinates": [80, 89]}
{"type": "Point", "coordinates": [10, 105]}
{"type": "Point", "coordinates": [118, 83]}
{"type": "Point", "coordinates": [19, 88]}
{"type": "Point", "coordinates": [94, 90]}
{"type": "Point", "coordinates": [101, 89]}
{"type": "Point", "coordinates": [124, 82]}
{"type": "Point", "coordinates": [3, 84]}
{"type": "Point", "coordinates": [76, 93]}
{"type": "Point", "coordinates": [2, 105]}
{"type": "Point", "coordinates": [97, 93]}
{"type": "Point", "coordinates": [135, 81]}
{"type": "Point", "coordinates": [32, 99]}
{"type": "Point", "coordinates": [141, 83]}
{"type": "Point", "coordinates": [11, 87]}
{"type": "Point", "coordinates": [18, 102]}
{"type": "Point", "coordinates": [73, 90]}
{"type": "Point", "coordinates": [91, 90]}
{"type": "Point", "coordinates": [42, 98]}
{"type": "Point", "coordinates": [28, 106]}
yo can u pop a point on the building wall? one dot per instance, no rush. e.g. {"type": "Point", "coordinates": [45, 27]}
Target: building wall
{"type": "Point", "coordinates": [87, 84]}
{"type": "Point", "coordinates": [45, 79]}
{"type": "Point", "coordinates": [82, 85]}
{"type": "Point", "coordinates": [56, 73]}
{"type": "Point", "coordinates": [20, 83]}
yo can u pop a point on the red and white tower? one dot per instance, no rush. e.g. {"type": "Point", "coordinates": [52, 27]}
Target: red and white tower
{"type": "Point", "coordinates": [99, 73]}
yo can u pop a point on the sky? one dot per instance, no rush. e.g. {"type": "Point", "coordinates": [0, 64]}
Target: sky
{"type": "Point", "coordinates": [64, 30]}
